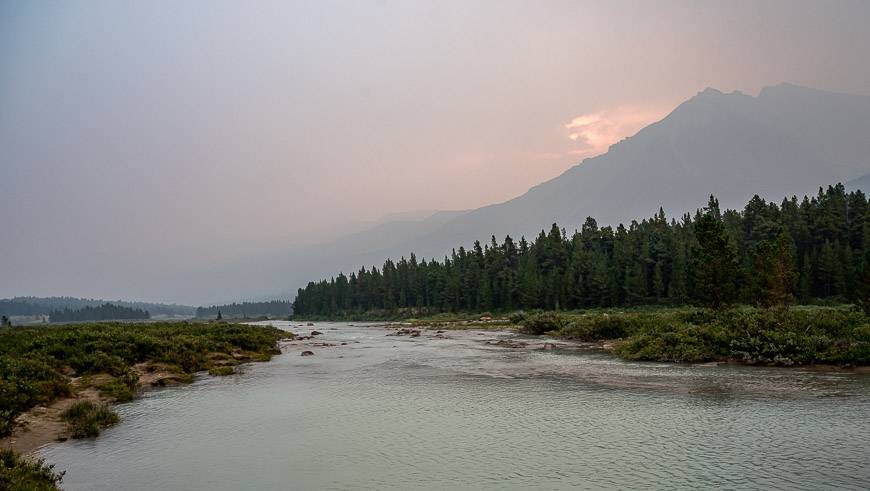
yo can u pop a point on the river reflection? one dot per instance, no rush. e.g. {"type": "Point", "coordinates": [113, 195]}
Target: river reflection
{"type": "Point", "coordinates": [389, 412]}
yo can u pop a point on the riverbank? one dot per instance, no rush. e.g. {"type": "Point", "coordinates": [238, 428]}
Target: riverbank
{"type": "Point", "coordinates": [799, 336]}
{"type": "Point", "coordinates": [447, 410]}
{"type": "Point", "coordinates": [45, 371]}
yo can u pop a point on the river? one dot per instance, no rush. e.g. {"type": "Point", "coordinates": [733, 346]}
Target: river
{"type": "Point", "coordinates": [387, 412]}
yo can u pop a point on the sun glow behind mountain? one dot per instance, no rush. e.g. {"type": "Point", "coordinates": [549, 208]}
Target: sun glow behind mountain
{"type": "Point", "coordinates": [126, 124]}
{"type": "Point", "coordinates": [593, 133]}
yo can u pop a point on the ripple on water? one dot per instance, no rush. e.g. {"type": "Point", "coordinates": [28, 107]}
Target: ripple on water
{"type": "Point", "coordinates": [459, 414]}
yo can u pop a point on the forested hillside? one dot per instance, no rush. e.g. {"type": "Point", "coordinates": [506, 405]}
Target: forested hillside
{"type": "Point", "coordinates": [247, 309]}
{"type": "Point", "coordinates": [808, 250]}
{"type": "Point", "coordinates": [106, 311]}
{"type": "Point", "coordinates": [44, 305]}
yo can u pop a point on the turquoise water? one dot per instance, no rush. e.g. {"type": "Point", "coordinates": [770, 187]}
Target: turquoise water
{"type": "Point", "coordinates": [384, 412]}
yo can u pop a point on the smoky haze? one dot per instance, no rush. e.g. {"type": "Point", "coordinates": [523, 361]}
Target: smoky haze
{"type": "Point", "coordinates": [145, 145]}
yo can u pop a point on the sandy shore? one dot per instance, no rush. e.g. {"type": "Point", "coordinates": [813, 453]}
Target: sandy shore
{"type": "Point", "coordinates": [42, 425]}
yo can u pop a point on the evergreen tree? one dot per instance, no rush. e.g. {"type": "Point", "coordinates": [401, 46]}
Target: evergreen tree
{"type": "Point", "coordinates": [863, 290]}
{"type": "Point", "coordinates": [774, 272]}
{"type": "Point", "coordinates": [806, 278]}
{"type": "Point", "coordinates": [106, 311]}
{"type": "Point", "coordinates": [700, 258]}
{"type": "Point", "coordinates": [713, 261]}
{"type": "Point", "coordinates": [280, 308]}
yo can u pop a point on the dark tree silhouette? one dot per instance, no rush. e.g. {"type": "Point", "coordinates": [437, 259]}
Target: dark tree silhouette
{"type": "Point", "coordinates": [768, 253]}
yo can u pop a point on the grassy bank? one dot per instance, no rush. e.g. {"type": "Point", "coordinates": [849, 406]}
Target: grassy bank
{"type": "Point", "coordinates": [797, 336]}
{"type": "Point", "coordinates": [87, 418]}
{"type": "Point", "coordinates": [37, 364]}
{"type": "Point", "coordinates": [20, 474]}
{"type": "Point", "coordinates": [801, 335]}
{"type": "Point", "coordinates": [106, 361]}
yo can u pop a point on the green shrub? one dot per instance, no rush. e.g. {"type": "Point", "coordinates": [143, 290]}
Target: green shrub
{"type": "Point", "coordinates": [122, 388]}
{"type": "Point", "coordinates": [86, 419]}
{"type": "Point", "coordinates": [7, 422]}
{"type": "Point", "coordinates": [685, 344]}
{"type": "Point", "coordinates": [517, 317]}
{"type": "Point", "coordinates": [221, 371]}
{"type": "Point", "coordinates": [20, 474]}
{"type": "Point", "coordinates": [24, 383]}
{"type": "Point", "coordinates": [35, 361]}
{"type": "Point", "coordinates": [801, 335]}
{"type": "Point", "coordinates": [544, 322]}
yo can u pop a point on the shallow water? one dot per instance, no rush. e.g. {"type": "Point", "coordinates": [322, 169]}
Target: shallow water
{"type": "Point", "coordinates": [400, 413]}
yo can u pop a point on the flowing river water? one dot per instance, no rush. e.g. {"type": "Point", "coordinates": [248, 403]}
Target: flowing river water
{"type": "Point", "coordinates": [387, 412]}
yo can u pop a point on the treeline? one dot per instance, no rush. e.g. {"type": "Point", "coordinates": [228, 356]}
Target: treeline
{"type": "Point", "coordinates": [247, 309]}
{"type": "Point", "coordinates": [809, 250]}
{"type": "Point", "coordinates": [44, 305]}
{"type": "Point", "coordinates": [106, 311]}
{"type": "Point", "coordinates": [15, 306]}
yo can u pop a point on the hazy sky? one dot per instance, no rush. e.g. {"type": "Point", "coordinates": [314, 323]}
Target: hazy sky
{"type": "Point", "coordinates": [143, 139]}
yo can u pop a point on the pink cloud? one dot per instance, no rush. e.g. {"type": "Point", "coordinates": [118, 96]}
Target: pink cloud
{"type": "Point", "coordinates": [594, 133]}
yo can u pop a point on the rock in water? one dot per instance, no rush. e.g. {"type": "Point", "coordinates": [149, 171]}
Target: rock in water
{"type": "Point", "coordinates": [307, 353]}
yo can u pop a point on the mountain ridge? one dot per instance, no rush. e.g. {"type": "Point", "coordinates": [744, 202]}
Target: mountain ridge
{"type": "Point", "coordinates": [714, 111]}
{"type": "Point", "coordinates": [786, 141]}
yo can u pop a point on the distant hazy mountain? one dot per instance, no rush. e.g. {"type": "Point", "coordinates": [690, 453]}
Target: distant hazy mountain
{"type": "Point", "coordinates": [787, 141]}
{"type": "Point", "coordinates": [278, 274]}
{"type": "Point", "coordinates": [862, 183]}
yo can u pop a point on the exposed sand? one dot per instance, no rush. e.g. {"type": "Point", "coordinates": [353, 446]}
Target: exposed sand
{"type": "Point", "coordinates": [42, 425]}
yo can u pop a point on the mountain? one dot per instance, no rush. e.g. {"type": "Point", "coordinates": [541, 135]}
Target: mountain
{"type": "Point", "coordinates": [787, 141]}
{"type": "Point", "coordinates": [862, 183]}
{"type": "Point", "coordinates": [277, 274]}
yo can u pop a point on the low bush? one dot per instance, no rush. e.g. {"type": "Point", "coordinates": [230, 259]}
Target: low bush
{"type": "Point", "coordinates": [121, 388]}
{"type": "Point", "coordinates": [86, 419]}
{"type": "Point", "coordinates": [685, 343]}
{"type": "Point", "coordinates": [517, 317]}
{"type": "Point", "coordinates": [20, 474]}
{"type": "Point", "coordinates": [798, 336]}
{"type": "Point", "coordinates": [221, 371]}
{"type": "Point", "coordinates": [35, 361]}
{"type": "Point", "coordinates": [544, 322]}
{"type": "Point", "coordinates": [24, 383]}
